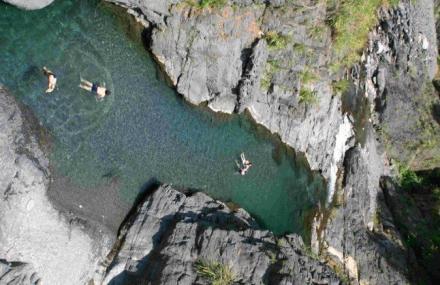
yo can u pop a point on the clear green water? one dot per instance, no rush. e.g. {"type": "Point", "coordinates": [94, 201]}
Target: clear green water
{"type": "Point", "coordinates": [144, 130]}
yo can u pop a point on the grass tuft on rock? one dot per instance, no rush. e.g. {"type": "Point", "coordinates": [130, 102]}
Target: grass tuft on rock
{"type": "Point", "coordinates": [307, 96]}
{"type": "Point", "coordinates": [201, 4]}
{"type": "Point", "coordinates": [351, 22]}
{"type": "Point", "coordinates": [340, 86]}
{"type": "Point", "coordinates": [307, 76]}
{"type": "Point", "coordinates": [276, 40]}
{"type": "Point", "coordinates": [216, 272]}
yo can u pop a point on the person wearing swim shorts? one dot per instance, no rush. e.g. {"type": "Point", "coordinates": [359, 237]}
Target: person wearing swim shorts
{"type": "Point", "coordinates": [95, 88]}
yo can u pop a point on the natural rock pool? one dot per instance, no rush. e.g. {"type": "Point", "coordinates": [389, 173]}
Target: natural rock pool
{"type": "Point", "coordinates": [144, 130]}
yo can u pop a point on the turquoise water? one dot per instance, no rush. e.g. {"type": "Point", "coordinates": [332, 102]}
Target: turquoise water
{"type": "Point", "coordinates": [144, 130]}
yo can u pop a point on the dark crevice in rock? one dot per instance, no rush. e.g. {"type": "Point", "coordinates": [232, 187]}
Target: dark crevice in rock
{"type": "Point", "coordinates": [247, 66]}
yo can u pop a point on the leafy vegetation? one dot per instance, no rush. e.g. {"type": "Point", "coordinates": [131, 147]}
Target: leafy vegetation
{"type": "Point", "coordinates": [419, 217]}
{"type": "Point", "coordinates": [307, 96]}
{"type": "Point", "coordinates": [408, 179]}
{"type": "Point", "coordinates": [317, 31]}
{"type": "Point", "coordinates": [265, 82]}
{"type": "Point", "coordinates": [272, 66]}
{"type": "Point", "coordinates": [276, 40]}
{"type": "Point", "coordinates": [351, 21]}
{"type": "Point", "coordinates": [307, 76]}
{"type": "Point", "coordinates": [340, 86]}
{"type": "Point", "coordinates": [217, 273]}
{"type": "Point", "coordinates": [201, 4]}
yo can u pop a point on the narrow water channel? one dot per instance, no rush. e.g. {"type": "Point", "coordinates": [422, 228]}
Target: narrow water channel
{"type": "Point", "coordinates": [144, 130]}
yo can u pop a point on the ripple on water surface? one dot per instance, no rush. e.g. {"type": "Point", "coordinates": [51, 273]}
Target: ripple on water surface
{"type": "Point", "coordinates": [143, 130]}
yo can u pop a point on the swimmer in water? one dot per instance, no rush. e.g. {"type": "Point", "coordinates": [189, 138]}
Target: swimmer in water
{"type": "Point", "coordinates": [51, 80]}
{"type": "Point", "coordinates": [100, 91]}
{"type": "Point", "coordinates": [244, 161]}
{"type": "Point", "coordinates": [246, 164]}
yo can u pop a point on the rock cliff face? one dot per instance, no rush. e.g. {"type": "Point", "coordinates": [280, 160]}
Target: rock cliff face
{"type": "Point", "coordinates": [266, 57]}
{"type": "Point", "coordinates": [36, 240]}
{"type": "Point", "coordinates": [170, 231]}
{"type": "Point", "coordinates": [400, 64]}
{"type": "Point", "coordinates": [359, 231]}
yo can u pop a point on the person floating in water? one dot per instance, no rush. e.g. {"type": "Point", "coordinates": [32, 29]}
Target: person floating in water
{"type": "Point", "coordinates": [246, 164]}
{"type": "Point", "coordinates": [51, 80]}
{"type": "Point", "coordinates": [100, 91]}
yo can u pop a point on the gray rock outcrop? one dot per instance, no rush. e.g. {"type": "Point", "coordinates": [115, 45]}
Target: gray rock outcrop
{"type": "Point", "coordinates": [37, 237]}
{"type": "Point", "coordinates": [29, 4]}
{"type": "Point", "coordinates": [171, 231]}
{"type": "Point", "coordinates": [359, 231]}
{"type": "Point", "coordinates": [17, 273]}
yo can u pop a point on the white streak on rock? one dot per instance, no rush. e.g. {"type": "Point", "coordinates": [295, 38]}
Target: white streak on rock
{"type": "Point", "coordinates": [344, 134]}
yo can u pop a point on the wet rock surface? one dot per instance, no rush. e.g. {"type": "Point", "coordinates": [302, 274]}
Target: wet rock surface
{"type": "Point", "coordinates": [170, 231]}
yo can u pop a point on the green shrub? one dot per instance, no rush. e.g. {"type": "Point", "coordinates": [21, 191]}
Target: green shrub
{"type": "Point", "coordinates": [340, 86]}
{"type": "Point", "coordinates": [217, 273]}
{"type": "Point", "coordinates": [307, 96]}
{"type": "Point", "coordinates": [276, 40]}
{"type": "Point", "coordinates": [408, 179]}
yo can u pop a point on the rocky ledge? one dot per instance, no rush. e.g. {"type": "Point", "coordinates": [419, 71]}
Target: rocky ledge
{"type": "Point", "coordinates": [37, 241]}
{"type": "Point", "coordinates": [170, 232]}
